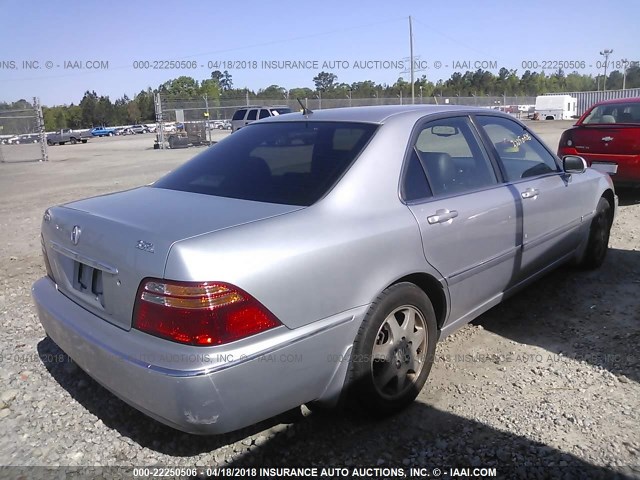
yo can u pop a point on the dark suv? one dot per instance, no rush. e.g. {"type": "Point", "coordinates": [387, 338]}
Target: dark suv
{"type": "Point", "coordinates": [248, 114]}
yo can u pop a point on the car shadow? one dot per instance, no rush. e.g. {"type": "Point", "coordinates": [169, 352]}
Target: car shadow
{"type": "Point", "coordinates": [588, 315]}
{"type": "Point", "coordinates": [628, 196]}
{"type": "Point", "coordinates": [420, 436]}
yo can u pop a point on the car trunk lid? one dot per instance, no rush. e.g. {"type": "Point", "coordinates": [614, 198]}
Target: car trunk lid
{"type": "Point", "coordinates": [101, 248]}
{"type": "Point", "coordinates": [603, 140]}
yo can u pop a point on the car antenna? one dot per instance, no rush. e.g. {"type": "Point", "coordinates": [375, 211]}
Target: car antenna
{"type": "Point", "coordinates": [305, 110]}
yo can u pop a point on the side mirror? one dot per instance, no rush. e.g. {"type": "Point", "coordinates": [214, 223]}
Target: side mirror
{"type": "Point", "coordinates": [574, 164]}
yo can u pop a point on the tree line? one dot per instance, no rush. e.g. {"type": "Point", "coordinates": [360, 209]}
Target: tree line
{"type": "Point", "coordinates": [95, 110]}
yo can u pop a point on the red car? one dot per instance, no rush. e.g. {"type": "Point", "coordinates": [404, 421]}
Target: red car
{"type": "Point", "coordinates": [607, 136]}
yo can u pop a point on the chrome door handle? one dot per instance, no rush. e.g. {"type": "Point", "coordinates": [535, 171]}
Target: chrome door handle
{"type": "Point", "coordinates": [530, 193]}
{"type": "Point", "coordinates": [442, 216]}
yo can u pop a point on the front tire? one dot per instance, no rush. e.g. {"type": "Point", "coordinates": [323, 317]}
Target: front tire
{"type": "Point", "coordinates": [393, 351]}
{"type": "Point", "coordinates": [599, 232]}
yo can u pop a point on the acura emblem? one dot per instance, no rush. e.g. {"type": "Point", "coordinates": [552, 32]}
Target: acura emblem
{"type": "Point", "coordinates": [75, 234]}
{"type": "Point", "coordinates": [607, 139]}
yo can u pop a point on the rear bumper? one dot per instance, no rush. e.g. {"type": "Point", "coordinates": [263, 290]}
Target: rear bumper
{"type": "Point", "coordinates": [628, 167]}
{"type": "Point", "coordinates": [204, 390]}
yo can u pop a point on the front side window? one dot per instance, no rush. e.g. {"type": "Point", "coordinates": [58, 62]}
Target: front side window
{"type": "Point", "coordinates": [293, 163]}
{"type": "Point", "coordinates": [452, 158]}
{"type": "Point", "coordinates": [520, 153]}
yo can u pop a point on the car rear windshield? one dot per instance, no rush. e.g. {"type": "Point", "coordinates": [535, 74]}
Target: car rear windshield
{"type": "Point", "coordinates": [627, 112]}
{"type": "Point", "coordinates": [293, 163]}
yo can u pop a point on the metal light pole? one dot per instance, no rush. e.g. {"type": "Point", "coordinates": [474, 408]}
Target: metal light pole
{"type": "Point", "coordinates": [624, 62]}
{"type": "Point", "coordinates": [605, 53]}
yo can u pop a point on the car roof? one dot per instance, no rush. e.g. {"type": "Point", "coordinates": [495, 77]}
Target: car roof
{"type": "Point", "coordinates": [375, 114]}
{"type": "Point", "coordinates": [618, 100]}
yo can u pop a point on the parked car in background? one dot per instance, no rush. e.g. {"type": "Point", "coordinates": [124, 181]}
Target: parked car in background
{"type": "Point", "coordinates": [170, 128]}
{"type": "Point", "coordinates": [246, 115]}
{"type": "Point", "coordinates": [607, 135]}
{"type": "Point", "coordinates": [152, 127]}
{"type": "Point", "coordinates": [66, 135]}
{"type": "Point", "coordinates": [30, 138]}
{"type": "Point", "coordinates": [139, 129]}
{"type": "Point", "coordinates": [103, 132]}
{"type": "Point", "coordinates": [221, 125]}
{"type": "Point", "coordinates": [337, 248]}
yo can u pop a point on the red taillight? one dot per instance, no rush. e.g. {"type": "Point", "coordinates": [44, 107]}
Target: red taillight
{"type": "Point", "coordinates": [567, 145]}
{"type": "Point", "coordinates": [202, 313]}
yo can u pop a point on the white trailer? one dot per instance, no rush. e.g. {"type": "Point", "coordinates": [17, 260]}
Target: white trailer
{"type": "Point", "coordinates": [556, 107]}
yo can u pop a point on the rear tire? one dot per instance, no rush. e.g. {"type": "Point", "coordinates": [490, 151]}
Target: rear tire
{"type": "Point", "coordinates": [598, 243]}
{"type": "Point", "coordinates": [393, 351]}
{"type": "Point", "coordinates": [73, 141]}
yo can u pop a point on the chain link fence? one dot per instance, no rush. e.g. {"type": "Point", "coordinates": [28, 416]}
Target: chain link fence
{"type": "Point", "coordinates": [191, 121]}
{"type": "Point", "coordinates": [22, 135]}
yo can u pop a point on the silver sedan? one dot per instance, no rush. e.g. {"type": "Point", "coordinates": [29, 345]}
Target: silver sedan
{"type": "Point", "coordinates": [311, 258]}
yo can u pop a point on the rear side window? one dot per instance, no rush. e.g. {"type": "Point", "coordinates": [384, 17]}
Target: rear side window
{"type": "Point", "coordinates": [252, 114]}
{"type": "Point", "coordinates": [264, 113]}
{"type": "Point", "coordinates": [288, 163]}
{"type": "Point", "coordinates": [415, 185]}
{"type": "Point", "coordinates": [452, 157]}
{"type": "Point", "coordinates": [239, 115]}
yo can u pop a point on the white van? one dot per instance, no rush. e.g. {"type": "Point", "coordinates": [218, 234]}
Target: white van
{"type": "Point", "coordinates": [556, 107]}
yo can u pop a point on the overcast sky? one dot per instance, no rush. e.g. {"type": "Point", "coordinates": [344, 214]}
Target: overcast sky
{"type": "Point", "coordinates": [501, 33]}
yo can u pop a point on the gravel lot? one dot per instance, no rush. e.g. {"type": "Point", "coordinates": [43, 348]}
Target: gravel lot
{"type": "Point", "coordinates": [547, 381]}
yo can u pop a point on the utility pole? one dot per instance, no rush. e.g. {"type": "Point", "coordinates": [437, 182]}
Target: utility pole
{"type": "Point", "coordinates": [208, 123]}
{"type": "Point", "coordinates": [413, 87]}
{"type": "Point", "coordinates": [44, 156]}
{"type": "Point", "coordinates": [159, 120]}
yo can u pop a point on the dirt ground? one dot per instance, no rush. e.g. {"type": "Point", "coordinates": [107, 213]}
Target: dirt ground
{"type": "Point", "coordinates": [550, 378]}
